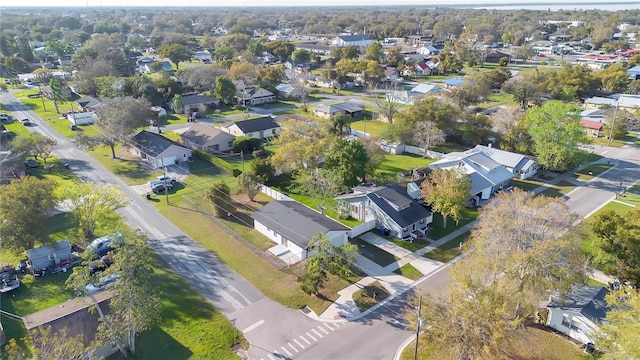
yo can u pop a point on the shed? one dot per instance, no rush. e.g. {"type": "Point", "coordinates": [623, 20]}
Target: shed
{"type": "Point", "coordinates": [45, 256]}
{"type": "Point", "coordinates": [84, 118]}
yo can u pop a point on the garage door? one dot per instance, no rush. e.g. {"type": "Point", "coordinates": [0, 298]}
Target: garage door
{"type": "Point", "coordinates": [168, 160]}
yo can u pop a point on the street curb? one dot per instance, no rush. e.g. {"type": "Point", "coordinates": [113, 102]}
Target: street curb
{"type": "Point", "coordinates": [403, 346]}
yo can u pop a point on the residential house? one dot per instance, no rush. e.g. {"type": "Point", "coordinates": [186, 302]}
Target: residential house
{"type": "Point", "coordinates": [593, 128]}
{"type": "Point", "coordinates": [284, 90]}
{"type": "Point", "coordinates": [487, 176]}
{"type": "Point", "coordinates": [202, 56]}
{"type": "Point", "coordinates": [207, 138]}
{"type": "Point", "coordinates": [343, 108]}
{"type": "Point", "coordinates": [198, 102]}
{"type": "Point", "coordinates": [428, 50]}
{"type": "Point", "coordinates": [521, 166]}
{"type": "Point", "coordinates": [421, 90]}
{"type": "Point", "coordinates": [598, 102]}
{"type": "Point", "coordinates": [579, 313]}
{"type": "Point", "coordinates": [260, 128]}
{"type": "Point", "coordinates": [388, 208]}
{"type": "Point", "coordinates": [352, 40]}
{"type": "Point", "coordinates": [400, 97]}
{"type": "Point", "coordinates": [158, 150]}
{"type": "Point", "coordinates": [599, 115]}
{"type": "Point", "coordinates": [391, 74]}
{"type": "Point", "coordinates": [292, 225]}
{"type": "Point", "coordinates": [453, 83]}
{"type": "Point", "coordinates": [634, 73]}
{"type": "Point", "coordinates": [423, 69]}
{"type": "Point", "coordinates": [495, 56]}
{"type": "Point", "coordinates": [623, 101]}
{"type": "Point", "coordinates": [88, 103]}
{"type": "Point", "coordinates": [73, 318]}
{"type": "Point", "coordinates": [65, 60]}
{"type": "Point", "coordinates": [48, 255]}
{"type": "Point", "coordinates": [251, 96]}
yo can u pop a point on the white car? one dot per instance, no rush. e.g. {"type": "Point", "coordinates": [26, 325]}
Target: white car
{"type": "Point", "coordinates": [168, 179]}
{"type": "Point", "coordinates": [103, 283]}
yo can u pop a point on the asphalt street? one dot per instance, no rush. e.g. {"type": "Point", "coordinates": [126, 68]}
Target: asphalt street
{"type": "Point", "coordinates": [276, 332]}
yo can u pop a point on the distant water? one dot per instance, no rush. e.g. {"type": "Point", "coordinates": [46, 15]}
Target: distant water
{"type": "Point", "coordinates": [607, 6]}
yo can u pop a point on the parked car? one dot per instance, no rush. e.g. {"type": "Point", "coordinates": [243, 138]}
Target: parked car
{"type": "Point", "coordinates": [25, 122]}
{"type": "Point", "coordinates": [31, 164]}
{"type": "Point", "coordinates": [103, 283]}
{"type": "Point", "coordinates": [169, 179]}
{"type": "Point", "coordinates": [102, 245]}
{"type": "Point", "coordinates": [5, 117]}
{"type": "Point", "coordinates": [196, 114]}
{"type": "Point", "coordinates": [160, 187]}
{"type": "Point", "coordinates": [7, 81]}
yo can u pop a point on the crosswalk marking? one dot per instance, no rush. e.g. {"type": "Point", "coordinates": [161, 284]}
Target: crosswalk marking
{"type": "Point", "coordinates": [311, 336]}
{"type": "Point", "coordinates": [271, 357]}
{"type": "Point", "coordinates": [298, 343]}
{"type": "Point", "coordinates": [323, 330]}
{"type": "Point", "coordinates": [293, 347]}
{"type": "Point", "coordinates": [285, 350]}
{"type": "Point", "coordinates": [329, 327]}
{"type": "Point", "coordinates": [317, 333]}
{"type": "Point", "coordinates": [305, 340]}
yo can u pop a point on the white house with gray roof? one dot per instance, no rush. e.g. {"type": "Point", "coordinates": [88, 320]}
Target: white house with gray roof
{"type": "Point", "coordinates": [292, 225]}
{"type": "Point", "coordinates": [352, 40]}
{"type": "Point", "coordinates": [521, 166]}
{"type": "Point", "coordinates": [579, 313]}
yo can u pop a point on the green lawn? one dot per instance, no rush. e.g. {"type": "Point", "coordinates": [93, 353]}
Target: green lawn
{"type": "Point", "coordinates": [127, 167]}
{"type": "Point", "coordinates": [447, 251]}
{"type": "Point", "coordinates": [409, 272]}
{"type": "Point", "coordinates": [630, 199]}
{"type": "Point", "coordinates": [58, 173]}
{"type": "Point", "coordinates": [404, 163]}
{"type": "Point", "coordinates": [437, 226]}
{"type": "Point", "coordinates": [16, 129]}
{"type": "Point", "coordinates": [449, 147]}
{"type": "Point", "coordinates": [373, 127]}
{"type": "Point", "coordinates": [374, 253]}
{"type": "Point", "coordinates": [526, 185]}
{"type": "Point", "coordinates": [370, 295]}
{"type": "Point", "coordinates": [558, 190]}
{"type": "Point", "coordinates": [591, 171]}
{"type": "Point", "coordinates": [635, 189]}
{"type": "Point", "coordinates": [498, 99]}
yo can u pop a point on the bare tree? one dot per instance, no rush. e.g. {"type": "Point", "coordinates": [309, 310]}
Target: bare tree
{"type": "Point", "coordinates": [428, 135]}
{"type": "Point", "coordinates": [387, 103]}
{"type": "Point", "coordinates": [300, 91]}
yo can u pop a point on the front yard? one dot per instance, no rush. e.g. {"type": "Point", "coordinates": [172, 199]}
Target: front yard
{"type": "Point", "coordinates": [374, 253]}
{"type": "Point", "coordinates": [449, 250]}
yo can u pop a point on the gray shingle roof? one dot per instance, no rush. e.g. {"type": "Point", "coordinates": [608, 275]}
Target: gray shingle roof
{"type": "Point", "coordinates": [196, 99]}
{"type": "Point", "coordinates": [202, 133]}
{"type": "Point", "coordinates": [587, 300]}
{"type": "Point", "coordinates": [295, 221]}
{"type": "Point", "coordinates": [259, 124]}
{"type": "Point", "coordinates": [405, 217]}
{"type": "Point", "coordinates": [348, 38]}
{"type": "Point", "coordinates": [152, 144]}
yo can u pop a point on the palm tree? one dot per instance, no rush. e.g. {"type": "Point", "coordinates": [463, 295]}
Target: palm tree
{"type": "Point", "coordinates": [341, 124]}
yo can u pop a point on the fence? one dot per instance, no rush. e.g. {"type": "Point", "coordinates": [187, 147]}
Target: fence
{"type": "Point", "coordinates": [358, 133]}
{"type": "Point", "coordinates": [414, 150]}
{"type": "Point", "coordinates": [274, 193]}
{"type": "Point", "coordinates": [362, 228]}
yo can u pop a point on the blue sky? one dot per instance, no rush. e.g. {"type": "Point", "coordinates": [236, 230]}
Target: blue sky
{"type": "Point", "coordinates": [173, 3]}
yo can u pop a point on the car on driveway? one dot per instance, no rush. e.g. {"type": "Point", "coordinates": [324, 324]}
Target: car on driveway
{"type": "Point", "coordinates": [103, 283]}
{"type": "Point", "coordinates": [102, 245]}
{"type": "Point", "coordinates": [5, 117]}
{"type": "Point", "coordinates": [160, 187]}
{"type": "Point", "coordinates": [31, 164]}
{"type": "Point", "coordinates": [168, 179]}
{"type": "Point", "coordinates": [25, 122]}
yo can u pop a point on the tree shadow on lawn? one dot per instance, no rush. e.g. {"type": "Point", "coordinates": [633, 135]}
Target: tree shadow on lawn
{"type": "Point", "coordinates": [155, 343]}
{"type": "Point", "coordinates": [131, 169]}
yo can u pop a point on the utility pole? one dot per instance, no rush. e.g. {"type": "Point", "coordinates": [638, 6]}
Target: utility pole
{"type": "Point", "coordinates": [415, 353]}
{"type": "Point", "coordinates": [164, 175]}
{"type": "Point", "coordinates": [242, 157]}
{"type": "Point", "coordinates": [613, 124]}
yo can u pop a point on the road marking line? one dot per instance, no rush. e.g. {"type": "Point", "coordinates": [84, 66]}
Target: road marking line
{"type": "Point", "coordinates": [285, 350]}
{"type": "Point", "coordinates": [293, 347]}
{"type": "Point", "coordinates": [253, 326]}
{"type": "Point", "coordinates": [271, 357]}
{"type": "Point", "coordinates": [298, 343]}
{"type": "Point", "coordinates": [329, 327]}
{"type": "Point", "coordinates": [311, 336]}
{"type": "Point", "coordinates": [323, 330]}
{"type": "Point", "coordinates": [336, 324]}
{"type": "Point", "coordinates": [317, 333]}
{"type": "Point", "coordinates": [305, 340]}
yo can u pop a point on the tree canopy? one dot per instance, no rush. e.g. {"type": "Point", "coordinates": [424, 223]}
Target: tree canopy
{"type": "Point", "coordinates": [348, 159]}
{"type": "Point", "coordinates": [325, 258]}
{"type": "Point", "coordinates": [301, 144]}
{"type": "Point", "coordinates": [93, 204]}
{"type": "Point", "coordinates": [174, 52]}
{"type": "Point", "coordinates": [225, 90]}
{"type": "Point", "coordinates": [447, 192]}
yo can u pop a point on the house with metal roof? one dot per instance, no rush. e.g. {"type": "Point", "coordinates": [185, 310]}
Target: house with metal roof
{"type": "Point", "coordinates": [389, 209]}
{"type": "Point", "coordinates": [261, 128]}
{"type": "Point", "coordinates": [521, 166]}
{"type": "Point", "coordinates": [158, 150]}
{"type": "Point", "coordinates": [292, 225]}
{"type": "Point", "coordinates": [579, 313]}
{"type": "Point", "coordinates": [343, 108]}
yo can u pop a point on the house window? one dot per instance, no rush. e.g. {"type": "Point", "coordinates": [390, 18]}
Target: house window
{"type": "Point", "coordinates": [422, 221]}
{"type": "Point", "coordinates": [261, 135]}
{"type": "Point", "coordinates": [574, 325]}
{"type": "Point", "coordinates": [354, 209]}
{"type": "Point", "coordinates": [565, 321]}
{"type": "Point", "coordinates": [230, 144]}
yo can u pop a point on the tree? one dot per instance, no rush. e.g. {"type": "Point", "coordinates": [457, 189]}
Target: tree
{"type": "Point", "coordinates": [556, 132]}
{"type": "Point", "coordinates": [347, 159]}
{"type": "Point", "coordinates": [60, 48]}
{"type": "Point", "coordinates": [301, 144]}
{"type": "Point", "coordinates": [246, 144]}
{"type": "Point", "coordinates": [281, 49]}
{"type": "Point", "coordinates": [262, 168]}
{"type": "Point", "coordinates": [374, 51]}
{"type": "Point", "coordinates": [618, 248]}
{"type": "Point", "coordinates": [57, 345]}
{"type": "Point", "coordinates": [271, 74]}
{"type": "Point", "coordinates": [387, 107]}
{"type": "Point", "coordinates": [571, 82]}
{"type": "Point", "coordinates": [444, 115]}
{"type": "Point", "coordinates": [56, 93]}
{"type": "Point", "coordinates": [24, 205]}
{"type": "Point", "coordinates": [225, 90]}
{"type": "Point", "coordinates": [341, 124]}
{"type": "Point", "coordinates": [300, 91]}
{"type": "Point", "coordinates": [177, 104]}
{"type": "Point", "coordinates": [35, 144]}
{"type": "Point", "coordinates": [618, 336]}
{"type": "Point", "coordinates": [243, 71]}
{"type": "Point", "coordinates": [174, 52]}
{"type": "Point", "coordinates": [614, 79]}
{"type": "Point", "coordinates": [93, 204]}
{"type": "Point", "coordinates": [301, 56]}
{"type": "Point", "coordinates": [249, 184]}
{"type": "Point", "coordinates": [498, 77]}
{"type": "Point", "coordinates": [447, 192]}
{"type": "Point", "coordinates": [200, 78]}
{"type": "Point", "coordinates": [350, 52]}
{"type": "Point", "coordinates": [119, 118]}
{"type": "Point", "coordinates": [522, 89]}
{"type": "Point", "coordinates": [321, 185]}
{"type": "Point", "coordinates": [219, 196]}
{"type": "Point", "coordinates": [325, 258]}
{"type": "Point", "coordinates": [375, 154]}
{"type": "Point", "coordinates": [427, 135]}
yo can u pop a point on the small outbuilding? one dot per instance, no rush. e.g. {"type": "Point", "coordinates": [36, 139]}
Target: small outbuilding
{"type": "Point", "coordinates": [48, 255]}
